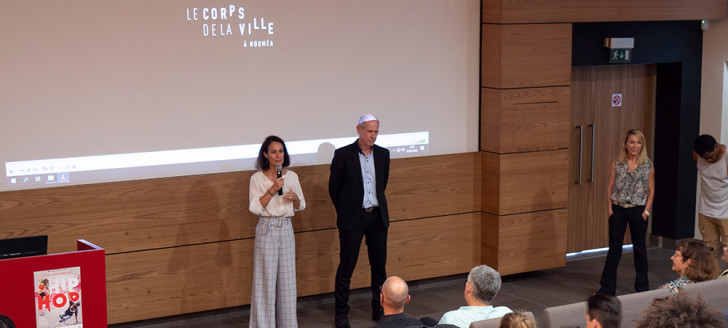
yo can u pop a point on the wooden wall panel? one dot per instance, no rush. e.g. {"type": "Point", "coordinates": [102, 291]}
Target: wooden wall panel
{"type": "Point", "coordinates": [532, 55]}
{"type": "Point", "coordinates": [573, 11]}
{"type": "Point", "coordinates": [437, 185]}
{"type": "Point", "coordinates": [524, 242]}
{"type": "Point", "coordinates": [147, 214]}
{"type": "Point", "coordinates": [525, 182]}
{"type": "Point", "coordinates": [184, 244]}
{"type": "Point", "coordinates": [170, 281]}
{"type": "Point", "coordinates": [133, 215]}
{"type": "Point", "coordinates": [520, 120]}
{"type": "Point", "coordinates": [163, 282]}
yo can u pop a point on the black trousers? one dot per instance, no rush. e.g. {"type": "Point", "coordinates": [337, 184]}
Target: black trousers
{"type": "Point", "coordinates": [371, 227]}
{"type": "Point", "coordinates": [621, 217]}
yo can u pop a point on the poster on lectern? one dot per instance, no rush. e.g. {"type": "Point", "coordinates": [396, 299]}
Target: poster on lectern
{"type": "Point", "coordinates": [58, 298]}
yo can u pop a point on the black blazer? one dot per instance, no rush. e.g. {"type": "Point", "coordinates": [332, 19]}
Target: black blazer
{"type": "Point", "coordinates": [346, 187]}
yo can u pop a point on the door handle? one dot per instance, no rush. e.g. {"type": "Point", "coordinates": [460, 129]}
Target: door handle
{"type": "Point", "coordinates": [591, 173]}
{"type": "Point", "coordinates": [581, 148]}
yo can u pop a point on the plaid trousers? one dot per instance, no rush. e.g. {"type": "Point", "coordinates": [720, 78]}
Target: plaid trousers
{"type": "Point", "coordinates": [273, 301]}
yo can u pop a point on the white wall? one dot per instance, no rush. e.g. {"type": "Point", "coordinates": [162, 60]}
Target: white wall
{"type": "Point", "coordinates": [713, 100]}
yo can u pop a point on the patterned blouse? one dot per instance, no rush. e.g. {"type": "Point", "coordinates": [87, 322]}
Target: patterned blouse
{"type": "Point", "coordinates": [674, 286]}
{"type": "Point", "coordinates": [631, 187]}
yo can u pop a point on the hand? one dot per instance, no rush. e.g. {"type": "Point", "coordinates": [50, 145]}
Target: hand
{"type": "Point", "coordinates": [277, 184]}
{"type": "Point", "coordinates": [644, 216]}
{"type": "Point", "coordinates": [610, 211]}
{"type": "Point", "coordinates": [290, 195]}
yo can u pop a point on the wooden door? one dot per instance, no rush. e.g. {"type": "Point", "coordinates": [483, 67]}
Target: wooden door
{"type": "Point", "coordinates": [598, 130]}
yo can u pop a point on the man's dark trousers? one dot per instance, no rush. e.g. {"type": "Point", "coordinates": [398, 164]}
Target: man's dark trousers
{"type": "Point", "coordinates": [372, 229]}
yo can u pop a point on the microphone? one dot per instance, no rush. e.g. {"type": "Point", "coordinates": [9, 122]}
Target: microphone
{"type": "Point", "coordinates": [279, 168]}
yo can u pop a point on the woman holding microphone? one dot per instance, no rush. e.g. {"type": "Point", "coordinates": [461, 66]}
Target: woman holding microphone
{"type": "Point", "coordinates": [629, 196]}
{"type": "Point", "coordinates": [275, 194]}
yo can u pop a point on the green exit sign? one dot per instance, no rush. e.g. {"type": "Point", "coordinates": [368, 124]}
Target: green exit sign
{"type": "Point", "coordinates": [620, 55]}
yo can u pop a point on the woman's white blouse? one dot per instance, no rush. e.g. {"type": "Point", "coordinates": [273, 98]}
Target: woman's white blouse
{"type": "Point", "coordinates": [277, 207]}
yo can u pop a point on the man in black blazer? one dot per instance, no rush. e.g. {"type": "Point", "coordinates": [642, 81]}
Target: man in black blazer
{"type": "Point", "coordinates": [359, 174]}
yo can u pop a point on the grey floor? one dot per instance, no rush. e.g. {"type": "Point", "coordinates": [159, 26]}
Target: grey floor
{"type": "Point", "coordinates": [532, 291]}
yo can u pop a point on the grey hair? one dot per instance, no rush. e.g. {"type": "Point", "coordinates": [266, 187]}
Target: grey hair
{"type": "Point", "coordinates": [486, 283]}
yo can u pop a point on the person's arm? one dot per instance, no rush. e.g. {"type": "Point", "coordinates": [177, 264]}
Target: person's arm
{"type": "Point", "coordinates": [295, 194]}
{"type": "Point", "coordinates": [335, 177]}
{"type": "Point", "coordinates": [650, 193]}
{"type": "Point", "coordinates": [258, 195]}
{"type": "Point", "coordinates": [612, 174]}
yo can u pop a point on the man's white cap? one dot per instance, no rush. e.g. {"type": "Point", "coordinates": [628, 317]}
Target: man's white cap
{"type": "Point", "coordinates": [367, 118]}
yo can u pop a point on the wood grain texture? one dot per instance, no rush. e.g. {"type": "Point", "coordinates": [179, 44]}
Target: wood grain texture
{"type": "Point", "coordinates": [524, 242]}
{"type": "Point", "coordinates": [193, 278]}
{"type": "Point", "coordinates": [184, 244]}
{"type": "Point", "coordinates": [527, 55]}
{"type": "Point", "coordinates": [529, 119]}
{"type": "Point", "coordinates": [148, 214]}
{"type": "Point", "coordinates": [525, 182]}
{"type": "Point", "coordinates": [573, 11]}
{"type": "Point", "coordinates": [593, 88]}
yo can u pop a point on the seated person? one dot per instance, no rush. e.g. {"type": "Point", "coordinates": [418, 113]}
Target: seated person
{"type": "Point", "coordinates": [480, 290]}
{"type": "Point", "coordinates": [394, 296]}
{"type": "Point", "coordinates": [682, 311]}
{"type": "Point", "coordinates": [516, 319]}
{"type": "Point", "coordinates": [694, 262]}
{"type": "Point", "coordinates": [603, 311]}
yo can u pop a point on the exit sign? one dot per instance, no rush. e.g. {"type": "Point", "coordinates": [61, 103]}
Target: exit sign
{"type": "Point", "coordinates": [620, 55]}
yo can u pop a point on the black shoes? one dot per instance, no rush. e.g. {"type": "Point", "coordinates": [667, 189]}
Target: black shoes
{"type": "Point", "coordinates": [342, 321]}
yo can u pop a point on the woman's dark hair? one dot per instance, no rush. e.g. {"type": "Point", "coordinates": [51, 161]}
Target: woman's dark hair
{"type": "Point", "coordinates": [703, 144]}
{"type": "Point", "coordinates": [703, 264]}
{"type": "Point", "coordinates": [262, 163]}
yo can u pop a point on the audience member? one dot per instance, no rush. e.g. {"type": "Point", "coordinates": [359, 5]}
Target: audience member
{"type": "Point", "coordinates": [481, 288]}
{"type": "Point", "coordinates": [394, 296]}
{"type": "Point", "coordinates": [516, 319]}
{"type": "Point", "coordinates": [694, 262]}
{"type": "Point", "coordinates": [603, 311]}
{"type": "Point", "coordinates": [681, 311]}
{"type": "Point", "coordinates": [5, 322]}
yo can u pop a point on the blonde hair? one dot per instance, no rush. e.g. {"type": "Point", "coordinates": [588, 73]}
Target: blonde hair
{"type": "Point", "coordinates": [517, 319]}
{"type": "Point", "coordinates": [642, 156]}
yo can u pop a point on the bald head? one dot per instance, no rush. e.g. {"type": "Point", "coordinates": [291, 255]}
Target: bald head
{"type": "Point", "coordinates": [395, 293]}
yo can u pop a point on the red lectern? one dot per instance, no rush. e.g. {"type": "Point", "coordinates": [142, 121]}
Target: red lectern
{"type": "Point", "coordinates": [22, 295]}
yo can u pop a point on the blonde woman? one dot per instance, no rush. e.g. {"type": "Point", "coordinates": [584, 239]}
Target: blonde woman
{"type": "Point", "coordinates": [629, 196]}
{"type": "Point", "coordinates": [516, 319]}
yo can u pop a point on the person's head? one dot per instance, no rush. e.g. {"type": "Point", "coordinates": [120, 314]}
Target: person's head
{"type": "Point", "coordinates": [694, 260]}
{"type": "Point", "coordinates": [368, 129]}
{"type": "Point", "coordinates": [482, 285]}
{"type": "Point", "coordinates": [272, 152]}
{"type": "Point", "coordinates": [5, 322]}
{"type": "Point", "coordinates": [634, 146]}
{"type": "Point", "coordinates": [394, 295]}
{"type": "Point", "coordinates": [682, 311]}
{"type": "Point", "coordinates": [516, 319]}
{"type": "Point", "coordinates": [603, 311]}
{"type": "Point", "coordinates": [704, 146]}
